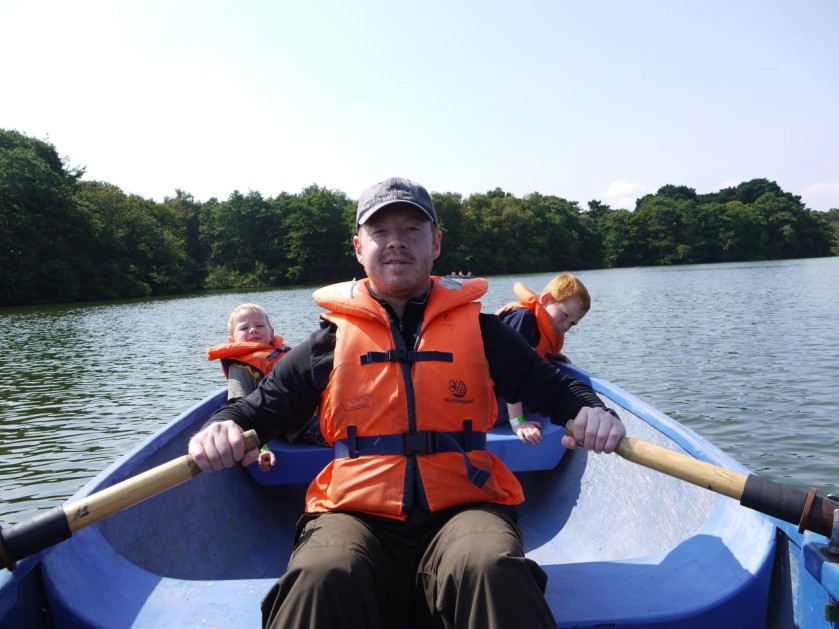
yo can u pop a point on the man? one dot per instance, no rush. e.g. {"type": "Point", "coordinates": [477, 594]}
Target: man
{"type": "Point", "coordinates": [414, 519]}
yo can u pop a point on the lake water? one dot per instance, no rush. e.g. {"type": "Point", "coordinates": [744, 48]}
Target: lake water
{"type": "Point", "coordinates": [747, 355]}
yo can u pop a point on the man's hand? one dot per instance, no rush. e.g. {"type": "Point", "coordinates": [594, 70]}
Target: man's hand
{"type": "Point", "coordinates": [219, 446]}
{"type": "Point", "coordinates": [595, 429]}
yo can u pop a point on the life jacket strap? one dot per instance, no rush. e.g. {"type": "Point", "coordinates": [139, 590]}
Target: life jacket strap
{"type": "Point", "coordinates": [418, 443]}
{"type": "Point", "coordinates": [405, 356]}
{"type": "Point", "coordinates": [277, 352]}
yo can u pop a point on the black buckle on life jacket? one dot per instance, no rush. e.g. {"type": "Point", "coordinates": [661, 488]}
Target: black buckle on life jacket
{"type": "Point", "coordinates": [352, 444]}
{"type": "Point", "coordinates": [467, 435]}
{"type": "Point", "coordinates": [404, 356]}
{"type": "Point", "coordinates": [390, 356]}
{"type": "Point", "coordinates": [422, 442]}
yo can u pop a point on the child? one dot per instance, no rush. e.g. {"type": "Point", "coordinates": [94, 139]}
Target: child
{"type": "Point", "coordinates": [250, 355]}
{"type": "Point", "coordinates": [543, 322]}
{"type": "Point", "coordinates": [251, 352]}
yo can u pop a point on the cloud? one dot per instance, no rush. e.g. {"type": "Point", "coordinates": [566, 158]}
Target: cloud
{"type": "Point", "coordinates": [623, 194]}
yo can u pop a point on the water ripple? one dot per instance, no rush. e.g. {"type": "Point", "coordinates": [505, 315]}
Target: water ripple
{"type": "Point", "coordinates": [745, 354]}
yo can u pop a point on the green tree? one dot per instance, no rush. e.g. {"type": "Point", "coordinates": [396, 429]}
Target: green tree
{"type": "Point", "coordinates": [187, 228]}
{"type": "Point", "coordinates": [832, 219]}
{"type": "Point", "coordinates": [621, 235]}
{"type": "Point", "coordinates": [105, 205]}
{"type": "Point", "coordinates": [742, 233]}
{"type": "Point", "coordinates": [44, 238]}
{"type": "Point", "coordinates": [596, 209]}
{"type": "Point", "coordinates": [663, 222]}
{"type": "Point", "coordinates": [677, 193]}
{"type": "Point", "coordinates": [141, 249]}
{"type": "Point", "coordinates": [316, 237]}
{"type": "Point", "coordinates": [484, 234]}
{"type": "Point", "coordinates": [62, 239]}
{"type": "Point", "coordinates": [571, 240]}
{"type": "Point", "coordinates": [451, 220]}
{"type": "Point", "coordinates": [747, 192]}
{"type": "Point", "coordinates": [781, 216]}
{"type": "Point", "coordinates": [518, 235]}
{"type": "Point", "coordinates": [159, 246]}
{"type": "Point", "coordinates": [235, 233]}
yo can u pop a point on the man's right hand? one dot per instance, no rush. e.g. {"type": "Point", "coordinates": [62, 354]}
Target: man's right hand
{"type": "Point", "coordinates": [220, 445]}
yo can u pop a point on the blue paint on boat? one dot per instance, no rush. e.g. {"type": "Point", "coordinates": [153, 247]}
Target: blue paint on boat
{"type": "Point", "coordinates": [623, 546]}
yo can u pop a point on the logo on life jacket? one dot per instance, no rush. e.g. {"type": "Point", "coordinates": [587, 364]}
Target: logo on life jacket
{"type": "Point", "coordinates": [458, 390]}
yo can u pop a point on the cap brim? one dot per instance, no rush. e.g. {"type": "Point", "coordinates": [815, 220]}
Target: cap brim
{"type": "Point", "coordinates": [370, 211]}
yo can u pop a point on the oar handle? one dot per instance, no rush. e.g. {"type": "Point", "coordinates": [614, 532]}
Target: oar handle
{"type": "Point", "coordinates": [808, 511]}
{"type": "Point", "coordinates": [26, 538]}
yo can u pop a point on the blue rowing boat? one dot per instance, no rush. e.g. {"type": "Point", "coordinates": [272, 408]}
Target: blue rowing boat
{"type": "Point", "coordinates": [623, 545]}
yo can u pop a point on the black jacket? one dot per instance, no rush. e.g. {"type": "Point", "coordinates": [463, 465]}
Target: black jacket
{"type": "Point", "coordinates": [288, 397]}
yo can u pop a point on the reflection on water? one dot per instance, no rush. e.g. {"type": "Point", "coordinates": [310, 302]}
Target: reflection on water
{"type": "Point", "coordinates": [745, 354]}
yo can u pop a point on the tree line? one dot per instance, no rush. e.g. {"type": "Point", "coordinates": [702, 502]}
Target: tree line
{"type": "Point", "coordinates": [63, 239]}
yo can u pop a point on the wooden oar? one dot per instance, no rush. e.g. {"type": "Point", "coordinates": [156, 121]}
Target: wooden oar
{"type": "Point", "coordinates": [809, 511]}
{"type": "Point", "coordinates": [53, 526]}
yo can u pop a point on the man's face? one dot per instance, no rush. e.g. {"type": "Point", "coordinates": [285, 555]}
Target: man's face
{"type": "Point", "coordinates": [397, 247]}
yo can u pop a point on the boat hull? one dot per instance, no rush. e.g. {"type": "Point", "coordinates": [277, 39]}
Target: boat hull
{"type": "Point", "coordinates": [622, 545]}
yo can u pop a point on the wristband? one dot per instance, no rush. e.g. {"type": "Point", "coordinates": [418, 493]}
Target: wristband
{"type": "Point", "coordinates": [517, 421]}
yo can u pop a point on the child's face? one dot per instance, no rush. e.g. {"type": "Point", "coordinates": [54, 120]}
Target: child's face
{"type": "Point", "coordinates": [251, 327]}
{"type": "Point", "coordinates": [565, 314]}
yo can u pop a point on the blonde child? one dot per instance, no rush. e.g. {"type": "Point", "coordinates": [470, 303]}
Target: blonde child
{"type": "Point", "coordinates": [543, 321]}
{"type": "Point", "coordinates": [249, 355]}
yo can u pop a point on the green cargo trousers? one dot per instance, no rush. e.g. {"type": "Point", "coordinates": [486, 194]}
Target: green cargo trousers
{"type": "Point", "coordinates": [461, 568]}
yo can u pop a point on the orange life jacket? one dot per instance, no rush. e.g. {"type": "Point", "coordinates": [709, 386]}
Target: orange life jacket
{"type": "Point", "coordinates": [409, 424]}
{"type": "Point", "coordinates": [258, 355]}
{"type": "Point", "coordinates": [549, 341]}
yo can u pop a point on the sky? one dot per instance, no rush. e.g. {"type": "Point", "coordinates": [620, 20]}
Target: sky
{"type": "Point", "coordinates": [586, 100]}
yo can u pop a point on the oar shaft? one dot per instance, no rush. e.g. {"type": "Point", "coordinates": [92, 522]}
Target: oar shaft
{"type": "Point", "coordinates": [129, 492]}
{"type": "Point", "coordinates": [808, 511]}
{"type": "Point", "coordinates": [717, 479]}
{"type": "Point", "coordinates": [53, 526]}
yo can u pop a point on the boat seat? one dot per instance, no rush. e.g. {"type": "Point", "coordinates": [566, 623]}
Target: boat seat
{"type": "Point", "coordinates": [300, 462]}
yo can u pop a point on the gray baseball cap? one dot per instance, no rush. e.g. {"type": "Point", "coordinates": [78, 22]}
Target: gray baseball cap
{"type": "Point", "coordinates": [394, 190]}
